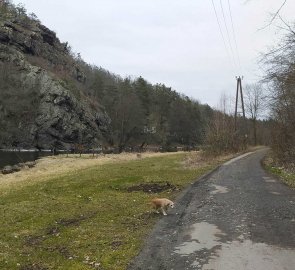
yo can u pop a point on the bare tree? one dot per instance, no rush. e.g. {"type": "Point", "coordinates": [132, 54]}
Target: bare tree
{"type": "Point", "coordinates": [275, 15]}
{"type": "Point", "coordinates": [254, 103]}
{"type": "Point", "coordinates": [280, 77]}
{"type": "Point", "coordinates": [220, 135]}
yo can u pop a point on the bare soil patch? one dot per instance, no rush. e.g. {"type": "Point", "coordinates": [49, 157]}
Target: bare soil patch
{"type": "Point", "coordinates": [64, 251]}
{"type": "Point", "coordinates": [116, 244]}
{"type": "Point", "coordinates": [153, 187]}
{"type": "Point", "coordinates": [34, 240]}
{"type": "Point", "coordinates": [76, 220]}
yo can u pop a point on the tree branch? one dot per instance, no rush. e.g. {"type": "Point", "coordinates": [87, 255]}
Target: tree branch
{"type": "Point", "coordinates": [274, 16]}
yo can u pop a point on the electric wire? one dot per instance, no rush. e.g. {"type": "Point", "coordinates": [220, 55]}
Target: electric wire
{"type": "Point", "coordinates": [221, 32]}
{"type": "Point", "coordinates": [234, 33]}
{"type": "Point", "coordinates": [227, 32]}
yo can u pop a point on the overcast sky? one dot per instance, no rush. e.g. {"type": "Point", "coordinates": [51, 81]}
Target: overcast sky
{"type": "Point", "coordinates": [174, 42]}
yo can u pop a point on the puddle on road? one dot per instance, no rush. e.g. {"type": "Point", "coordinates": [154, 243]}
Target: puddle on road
{"type": "Point", "coordinates": [242, 254]}
{"type": "Point", "coordinates": [248, 256]}
{"type": "Point", "coordinates": [218, 189]}
{"type": "Point", "coordinates": [203, 236]}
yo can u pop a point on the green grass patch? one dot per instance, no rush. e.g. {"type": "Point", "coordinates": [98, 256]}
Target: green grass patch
{"type": "Point", "coordinates": [287, 177]}
{"type": "Point", "coordinates": [86, 219]}
{"type": "Point", "coordinates": [274, 166]}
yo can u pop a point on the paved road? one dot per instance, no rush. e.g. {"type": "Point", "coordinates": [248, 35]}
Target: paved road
{"type": "Point", "coordinates": [238, 217]}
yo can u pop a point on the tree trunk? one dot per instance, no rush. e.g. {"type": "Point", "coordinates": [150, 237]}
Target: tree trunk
{"type": "Point", "coordinates": [255, 131]}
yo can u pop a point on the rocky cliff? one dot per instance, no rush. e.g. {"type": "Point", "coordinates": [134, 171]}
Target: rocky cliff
{"type": "Point", "coordinates": [41, 89]}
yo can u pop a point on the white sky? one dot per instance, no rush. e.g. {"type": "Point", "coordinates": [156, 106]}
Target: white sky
{"type": "Point", "coordinates": [174, 42]}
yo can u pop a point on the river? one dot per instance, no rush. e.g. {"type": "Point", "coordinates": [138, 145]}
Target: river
{"type": "Point", "coordinates": [14, 157]}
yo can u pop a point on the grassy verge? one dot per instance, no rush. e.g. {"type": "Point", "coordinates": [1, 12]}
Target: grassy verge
{"type": "Point", "coordinates": [285, 174]}
{"type": "Point", "coordinates": [87, 219]}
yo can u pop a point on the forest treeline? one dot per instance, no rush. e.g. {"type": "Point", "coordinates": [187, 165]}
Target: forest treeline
{"type": "Point", "coordinates": [142, 113]}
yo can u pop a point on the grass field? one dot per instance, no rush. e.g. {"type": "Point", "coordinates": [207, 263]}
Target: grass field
{"type": "Point", "coordinates": [87, 218]}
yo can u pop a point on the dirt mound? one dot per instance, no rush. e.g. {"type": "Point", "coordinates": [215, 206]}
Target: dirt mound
{"type": "Point", "coordinates": [152, 187]}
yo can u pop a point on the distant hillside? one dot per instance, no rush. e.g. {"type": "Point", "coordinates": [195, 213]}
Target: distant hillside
{"type": "Point", "coordinates": [49, 97]}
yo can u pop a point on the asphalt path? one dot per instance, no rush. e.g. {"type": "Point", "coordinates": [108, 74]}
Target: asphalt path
{"type": "Point", "coordinates": [237, 217]}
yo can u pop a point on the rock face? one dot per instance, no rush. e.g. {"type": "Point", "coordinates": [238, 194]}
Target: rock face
{"type": "Point", "coordinates": [61, 116]}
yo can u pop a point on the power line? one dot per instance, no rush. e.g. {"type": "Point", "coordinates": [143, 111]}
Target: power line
{"type": "Point", "coordinates": [234, 33]}
{"type": "Point", "coordinates": [227, 32]}
{"type": "Point", "coordinates": [220, 30]}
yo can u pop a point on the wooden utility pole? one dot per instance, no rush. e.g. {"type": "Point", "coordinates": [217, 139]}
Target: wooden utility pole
{"type": "Point", "coordinates": [239, 87]}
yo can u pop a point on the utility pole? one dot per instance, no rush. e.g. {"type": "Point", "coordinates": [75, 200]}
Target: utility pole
{"type": "Point", "coordinates": [239, 87]}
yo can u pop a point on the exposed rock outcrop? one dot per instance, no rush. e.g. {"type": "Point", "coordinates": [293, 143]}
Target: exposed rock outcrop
{"type": "Point", "coordinates": [61, 117]}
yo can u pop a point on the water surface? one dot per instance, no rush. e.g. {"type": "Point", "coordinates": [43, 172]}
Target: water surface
{"type": "Point", "coordinates": [14, 157]}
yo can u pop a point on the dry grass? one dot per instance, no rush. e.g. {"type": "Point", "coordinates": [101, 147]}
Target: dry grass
{"type": "Point", "coordinates": [200, 159]}
{"type": "Point", "coordinates": [60, 165]}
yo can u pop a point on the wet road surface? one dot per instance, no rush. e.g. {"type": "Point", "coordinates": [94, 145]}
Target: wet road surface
{"type": "Point", "coordinates": [237, 217]}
